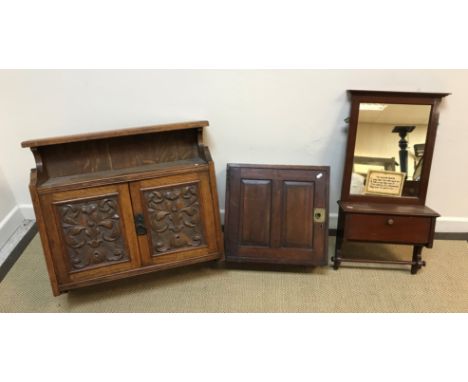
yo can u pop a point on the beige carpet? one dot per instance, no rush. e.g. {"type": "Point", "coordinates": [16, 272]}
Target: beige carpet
{"type": "Point", "coordinates": [442, 286]}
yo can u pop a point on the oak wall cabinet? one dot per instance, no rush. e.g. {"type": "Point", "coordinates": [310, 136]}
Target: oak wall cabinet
{"type": "Point", "coordinates": [277, 214]}
{"type": "Point", "coordinates": [115, 204]}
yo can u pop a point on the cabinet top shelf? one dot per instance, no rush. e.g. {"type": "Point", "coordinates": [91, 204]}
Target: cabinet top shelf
{"type": "Point", "coordinates": [114, 133]}
{"type": "Point", "coordinates": [386, 209]}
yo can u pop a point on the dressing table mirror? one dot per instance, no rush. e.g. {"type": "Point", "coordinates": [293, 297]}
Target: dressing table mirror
{"type": "Point", "coordinates": [391, 140]}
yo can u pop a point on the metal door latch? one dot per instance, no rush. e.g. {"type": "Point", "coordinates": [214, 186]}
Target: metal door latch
{"type": "Point", "coordinates": [140, 224]}
{"type": "Point", "coordinates": [319, 215]}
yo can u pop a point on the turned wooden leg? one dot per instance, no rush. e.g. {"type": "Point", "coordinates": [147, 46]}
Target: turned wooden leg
{"type": "Point", "coordinates": [417, 259]}
{"type": "Point", "coordinates": [337, 258]}
{"type": "Point", "coordinates": [336, 263]}
{"type": "Point", "coordinates": [339, 242]}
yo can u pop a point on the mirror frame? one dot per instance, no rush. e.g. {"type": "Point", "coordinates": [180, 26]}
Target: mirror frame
{"type": "Point", "coordinates": [410, 98]}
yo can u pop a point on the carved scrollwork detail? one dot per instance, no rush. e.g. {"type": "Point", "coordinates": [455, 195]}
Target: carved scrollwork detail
{"type": "Point", "coordinates": [174, 215]}
{"type": "Point", "coordinates": [91, 231]}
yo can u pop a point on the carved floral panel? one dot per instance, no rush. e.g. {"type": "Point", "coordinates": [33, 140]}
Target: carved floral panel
{"type": "Point", "coordinates": [174, 215]}
{"type": "Point", "coordinates": [92, 232]}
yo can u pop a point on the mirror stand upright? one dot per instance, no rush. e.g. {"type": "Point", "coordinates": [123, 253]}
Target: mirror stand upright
{"type": "Point", "coordinates": [388, 162]}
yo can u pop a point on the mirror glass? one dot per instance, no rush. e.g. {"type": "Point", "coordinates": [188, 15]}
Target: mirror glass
{"type": "Point", "coordinates": [389, 149]}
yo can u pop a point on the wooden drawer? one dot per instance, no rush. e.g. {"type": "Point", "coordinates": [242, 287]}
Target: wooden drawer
{"type": "Point", "coordinates": [388, 228]}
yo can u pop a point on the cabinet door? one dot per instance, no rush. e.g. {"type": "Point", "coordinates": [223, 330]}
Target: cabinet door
{"type": "Point", "coordinates": [270, 214]}
{"type": "Point", "coordinates": [91, 232]}
{"type": "Point", "coordinates": [177, 216]}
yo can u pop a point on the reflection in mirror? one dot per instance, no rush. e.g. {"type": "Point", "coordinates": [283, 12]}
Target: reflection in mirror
{"type": "Point", "coordinates": [390, 139]}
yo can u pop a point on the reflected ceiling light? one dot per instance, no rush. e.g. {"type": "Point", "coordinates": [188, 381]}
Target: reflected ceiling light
{"type": "Point", "coordinates": [372, 106]}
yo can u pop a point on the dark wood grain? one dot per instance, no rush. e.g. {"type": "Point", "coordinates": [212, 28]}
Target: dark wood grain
{"type": "Point", "coordinates": [388, 93]}
{"type": "Point", "coordinates": [189, 231]}
{"type": "Point", "coordinates": [86, 137]}
{"type": "Point", "coordinates": [214, 200]}
{"type": "Point", "coordinates": [358, 97]}
{"type": "Point", "coordinates": [57, 232]}
{"type": "Point", "coordinates": [92, 232]}
{"type": "Point", "coordinates": [400, 220]}
{"type": "Point", "coordinates": [387, 209]}
{"type": "Point", "coordinates": [119, 176]}
{"type": "Point", "coordinates": [387, 228]}
{"type": "Point", "coordinates": [269, 214]}
{"type": "Point", "coordinates": [174, 217]}
{"type": "Point", "coordinates": [255, 212]}
{"type": "Point", "coordinates": [42, 228]}
{"type": "Point", "coordinates": [130, 153]}
{"type": "Point", "coordinates": [298, 222]}
{"type": "Point", "coordinates": [65, 287]}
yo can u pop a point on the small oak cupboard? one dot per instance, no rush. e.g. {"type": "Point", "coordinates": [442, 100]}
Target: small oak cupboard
{"type": "Point", "coordinates": [277, 214]}
{"type": "Point", "coordinates": [115, 204]}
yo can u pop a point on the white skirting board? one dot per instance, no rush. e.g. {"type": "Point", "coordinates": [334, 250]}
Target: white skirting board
{"type": "Point", "coordinates": [10, 223]}
{"type": "Point", "coordinates": [28, 211]}
{"type": "Point", "coordinates": [452, 224]}
{"type": "Point", "coordinates": [25, 211]}
{"type": "Point", "coordinates": [15, 244]}
{"type": "Point", "coordinates": [444, 223]}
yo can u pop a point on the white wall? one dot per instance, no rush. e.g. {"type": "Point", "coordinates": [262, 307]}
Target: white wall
{"type": "Point", "coordinates": [10, 215]}
{"type": "Point", "coordinates": [277, 116]}
{"type": "Point", "coordinates": [7, 200]}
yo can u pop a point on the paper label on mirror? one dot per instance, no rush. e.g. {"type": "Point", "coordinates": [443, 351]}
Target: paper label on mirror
{"type": "Point", "coordinates": [388, 183]}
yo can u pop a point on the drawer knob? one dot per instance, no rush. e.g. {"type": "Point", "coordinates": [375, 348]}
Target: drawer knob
{"type": "Point", "coordinates": [390, 221]}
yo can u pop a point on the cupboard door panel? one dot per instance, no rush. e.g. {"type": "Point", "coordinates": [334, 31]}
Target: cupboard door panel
{"type": "Point", "coordinates": [178, 216]}
{"type": "Point", "coordinates": [270, 214]}
{"type": "Point", "coordinates": [93, 232]}
{"type": "Point", "coordinates": [256, 212]}
{"type": "Point", "coordinates": [174, 220]}
{"type": "Point", "coordinates": [298, 224]}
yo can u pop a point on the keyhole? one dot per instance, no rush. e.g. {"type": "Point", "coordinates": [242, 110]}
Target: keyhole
{"type": "Point", "coordinates": [318, 215]}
